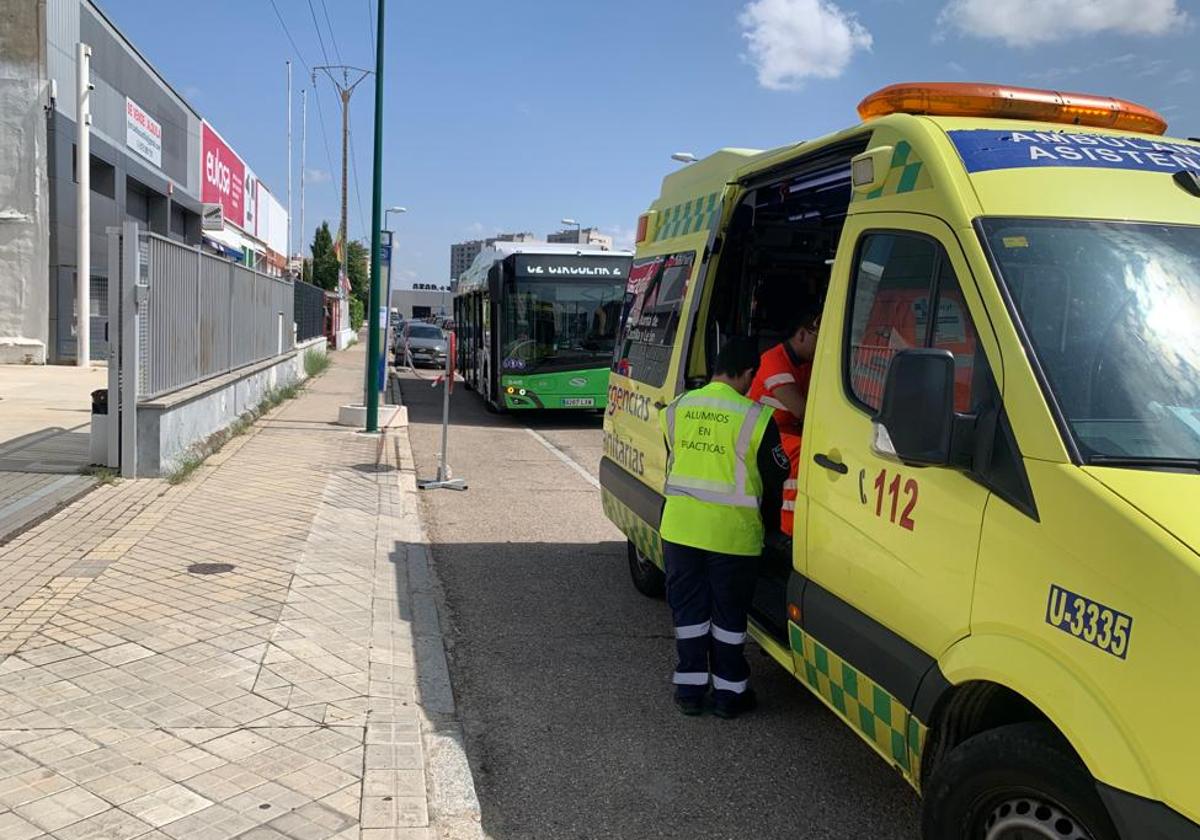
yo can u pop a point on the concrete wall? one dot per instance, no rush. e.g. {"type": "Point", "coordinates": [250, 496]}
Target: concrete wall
{"type": "Point", "coordinates": [171, 428]}
{"type": "Point", "coordinates": [24, 219]}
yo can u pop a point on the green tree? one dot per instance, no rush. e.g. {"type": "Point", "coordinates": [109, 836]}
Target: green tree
{"type": "Point", "coordinates": [324, 271]}
{"type": "Point", "coordinates": [360, 279]}
{"type": "Point", "coordinates": [357, 308]}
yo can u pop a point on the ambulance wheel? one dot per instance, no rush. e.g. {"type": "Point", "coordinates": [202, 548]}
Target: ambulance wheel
{"type": "Point", "coordinates": [1018, 782]}
{"type": "Point", "coordinates": [647, 578]}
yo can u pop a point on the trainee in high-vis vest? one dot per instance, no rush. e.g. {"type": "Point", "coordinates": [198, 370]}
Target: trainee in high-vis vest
{"type": "Point", "coordinates": [725, 473]}
{"type": "Point", "coordinates": [782, 381]}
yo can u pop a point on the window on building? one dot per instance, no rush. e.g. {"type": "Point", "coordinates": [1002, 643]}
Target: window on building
{"type": "Point", "coordinates": [178, 221]}
{"type": "Point", "coordinates": [137, 201]}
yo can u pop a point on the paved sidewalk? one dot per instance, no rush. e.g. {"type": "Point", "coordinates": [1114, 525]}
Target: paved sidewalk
{"type": "Point", "coordinates": [254, 653]}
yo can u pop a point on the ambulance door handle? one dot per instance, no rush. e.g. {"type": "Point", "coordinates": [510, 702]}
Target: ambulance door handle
{"type": "Point", "coordinates": [828, 463]}
{"type": "Point", "coordinates": [660, 405]}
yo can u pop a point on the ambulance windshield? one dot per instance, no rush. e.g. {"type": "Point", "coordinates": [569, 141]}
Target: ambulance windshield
{"type": "Point", "coordinates": [554, 325]}
{"type": "Point", "coordinates": [1112, 311]}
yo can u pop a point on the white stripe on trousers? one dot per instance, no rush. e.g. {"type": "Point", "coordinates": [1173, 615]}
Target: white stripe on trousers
{"type": "Point", "coordinates": [690, 678]}
{"type": "Point", "coordinates": [728, 637]}
{"type": "Point", "coordinates": [692, 631]}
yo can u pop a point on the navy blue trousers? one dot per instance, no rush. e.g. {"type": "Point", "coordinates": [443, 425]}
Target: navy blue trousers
{"type": "Point", "coordinates": [709, 594]}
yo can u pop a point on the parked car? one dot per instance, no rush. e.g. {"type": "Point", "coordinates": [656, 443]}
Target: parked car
{"type": "Point", "coordinates": [425, 344]}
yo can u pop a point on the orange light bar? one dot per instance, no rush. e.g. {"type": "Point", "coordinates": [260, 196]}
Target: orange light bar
{"type": "Point", "coordinates": [965, 99]}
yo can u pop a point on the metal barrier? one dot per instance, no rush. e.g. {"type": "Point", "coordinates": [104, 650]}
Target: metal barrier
{"type": "Point", "coordinates": [203, 316]}
{"type": "Point", "coordinates": [310, 310]}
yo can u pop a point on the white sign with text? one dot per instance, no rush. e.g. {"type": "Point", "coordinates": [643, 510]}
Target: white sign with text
{"type": "Point", "coordinates": [143, 134]}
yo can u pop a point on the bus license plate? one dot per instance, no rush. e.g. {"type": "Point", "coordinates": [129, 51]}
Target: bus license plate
{"type": "Point", "coordinates": [579, 402]}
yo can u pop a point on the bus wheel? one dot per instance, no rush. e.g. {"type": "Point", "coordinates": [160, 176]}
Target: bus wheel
{"type": "Point", "coordinates": [647, 578]}
{"type": "Point", "coordinates": [1018, 782]}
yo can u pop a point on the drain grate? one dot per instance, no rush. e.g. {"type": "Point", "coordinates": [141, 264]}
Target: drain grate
{"type": "Point", "coordinates": [210, 568]}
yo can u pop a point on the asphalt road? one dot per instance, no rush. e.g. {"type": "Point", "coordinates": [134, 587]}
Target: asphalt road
{"type": "Point", "coordinates": [561, 669]}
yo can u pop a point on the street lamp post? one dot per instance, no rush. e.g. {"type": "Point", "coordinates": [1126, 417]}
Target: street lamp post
{"type": "Point", "coordinates": [374, 309]}
{"type": "Point", "coordinates": [578, 228]}
{"type": "Point", "coordinates": [388, 338]}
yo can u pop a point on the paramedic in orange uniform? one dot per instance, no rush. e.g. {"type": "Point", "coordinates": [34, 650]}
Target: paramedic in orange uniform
{"type": "Point", "coordinates": [782, 383]}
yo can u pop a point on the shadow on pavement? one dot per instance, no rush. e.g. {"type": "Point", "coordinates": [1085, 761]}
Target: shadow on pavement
{"type": "Point", "coordinates": [561, 675]}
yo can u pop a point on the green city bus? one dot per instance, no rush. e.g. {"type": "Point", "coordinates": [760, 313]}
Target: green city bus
{"type": "Point", "coordinates": [536, 324]}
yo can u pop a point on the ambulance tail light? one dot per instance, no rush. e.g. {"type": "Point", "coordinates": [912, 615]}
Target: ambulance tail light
{"type": "Point", "coordinates": [963, 99]}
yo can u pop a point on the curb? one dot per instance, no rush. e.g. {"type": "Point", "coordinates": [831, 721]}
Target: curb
{"type": "Point", "coordinates": [454, 812]}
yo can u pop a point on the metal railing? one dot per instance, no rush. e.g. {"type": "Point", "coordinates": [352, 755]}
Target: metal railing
{"type": "Point", "coordinates": [203, 316]}
{"type": "Point", "coordinates": [310, 310]}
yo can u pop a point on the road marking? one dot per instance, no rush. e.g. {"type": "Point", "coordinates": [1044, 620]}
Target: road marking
{"type": "Point", "coordinates": [566, 459]}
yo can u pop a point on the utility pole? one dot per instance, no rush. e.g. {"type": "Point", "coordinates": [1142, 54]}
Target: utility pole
{"type": "Point", "coordinates": [83, 208]}
{"type": "Point", "coordinates": [303, 164]}
{"type": "Point", "coordinates": [375, 309]}
{"type": "Point", "coordinates": [289, 161]}
{"type": "Point", "coordinates": [345, 88]}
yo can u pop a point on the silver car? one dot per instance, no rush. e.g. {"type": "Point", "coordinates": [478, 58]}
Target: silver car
{"type": "Point", "coordinates": [426, 345]}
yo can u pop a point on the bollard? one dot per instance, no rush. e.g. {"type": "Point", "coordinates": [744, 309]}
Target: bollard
{"type": "Point", "coordinates": [443, 480]}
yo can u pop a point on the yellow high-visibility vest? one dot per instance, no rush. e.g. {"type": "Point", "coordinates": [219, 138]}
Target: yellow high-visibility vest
{"type": "Point", "coordinates": [713, 486]}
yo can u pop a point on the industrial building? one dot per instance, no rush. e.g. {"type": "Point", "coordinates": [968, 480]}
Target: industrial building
{"type": "Point", "coordinates": [422, 303]}
{"type": "Point", "coordinates": [153, 159]}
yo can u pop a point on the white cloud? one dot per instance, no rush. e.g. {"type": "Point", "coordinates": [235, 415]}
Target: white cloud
{"type": "Point", "coordinates": [623, 237]}
{"type": "Point", "coordinates": [316, 176]}
{"type": "Point", "coordinates": [1028, 22]}
{"type": "Point", "coordinates": [793, 40]}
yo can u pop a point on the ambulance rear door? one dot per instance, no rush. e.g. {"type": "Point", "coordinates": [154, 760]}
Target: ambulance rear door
{"type": "Point", "coordinates": [659, 300]}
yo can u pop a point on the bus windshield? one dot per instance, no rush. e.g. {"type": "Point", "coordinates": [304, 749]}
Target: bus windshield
{"type": "Point", "coordinates": [559, 325]}
{"type": "Point", "coordinates": [1111, 313]}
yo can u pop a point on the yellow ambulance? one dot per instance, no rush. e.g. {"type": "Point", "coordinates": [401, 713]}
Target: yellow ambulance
{"type": "Point", "coordinates": [995, 578]}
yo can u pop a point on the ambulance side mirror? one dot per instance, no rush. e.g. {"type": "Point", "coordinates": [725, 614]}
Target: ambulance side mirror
{"type": "Point", "coordinates": [915, 423]}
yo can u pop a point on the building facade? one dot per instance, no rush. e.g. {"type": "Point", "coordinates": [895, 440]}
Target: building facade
{"type": "Point", "coordinates": [146, 165]}
{"type": "Point", "coordinates": [462, 254]}
{"type": "Point", "coordinates": [591, 237]}
{"type": "Point", "coordinates": [415, 304]}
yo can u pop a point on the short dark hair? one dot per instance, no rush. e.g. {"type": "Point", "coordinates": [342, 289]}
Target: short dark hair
{"type": "Point", "coordinates": [736, 357]}
{"type": "Point", "coordinates": [803, 316]}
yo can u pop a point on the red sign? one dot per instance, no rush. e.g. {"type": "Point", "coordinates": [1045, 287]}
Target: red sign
{"type": "Point", "coordinates": [222, 175]}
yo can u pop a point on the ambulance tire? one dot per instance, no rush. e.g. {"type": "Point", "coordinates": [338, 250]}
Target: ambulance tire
{"type": "Point", "coordinates": [1022, 775]}
{"type": "Point", "coordinates": [647, 578]}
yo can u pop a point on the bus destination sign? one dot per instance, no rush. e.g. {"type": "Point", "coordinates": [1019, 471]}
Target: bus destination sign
{"type": "Point", "coordinates": [567, 266]}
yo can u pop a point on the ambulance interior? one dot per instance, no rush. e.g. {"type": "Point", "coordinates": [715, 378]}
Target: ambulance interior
{"type": "Point", "coordinates": [776, 256]}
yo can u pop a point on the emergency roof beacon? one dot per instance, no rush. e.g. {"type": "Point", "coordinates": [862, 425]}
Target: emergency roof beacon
{"type": "Point", "coordinates": [994, 578]}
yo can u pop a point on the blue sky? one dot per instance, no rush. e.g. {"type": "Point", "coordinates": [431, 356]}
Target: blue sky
{"type": "Point", "coordinates": [511, 114]}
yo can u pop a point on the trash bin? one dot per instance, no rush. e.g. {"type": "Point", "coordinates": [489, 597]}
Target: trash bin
{"type": "Point", "coordinates": [98, 441]}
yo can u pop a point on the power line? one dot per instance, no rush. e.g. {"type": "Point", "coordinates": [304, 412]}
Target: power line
{"type": "Point", "coordinates": [371, 26]}
{"type": "Point", "coordinates": [317, 26]}
{"type": "Point", "coordinates": [321, 120]}
{"type": "Point", "coordinates": [332, 37]}
{"type": "Point", "coordinates": [354, 167]}
{"type": "Point", "coordinates": [295, 49]}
